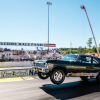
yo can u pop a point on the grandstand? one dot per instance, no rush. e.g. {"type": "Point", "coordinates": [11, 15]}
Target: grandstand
{"type": "Point", "coordinates": [27, 55]}
{"type": "Point", "coordinates": [23, 56]}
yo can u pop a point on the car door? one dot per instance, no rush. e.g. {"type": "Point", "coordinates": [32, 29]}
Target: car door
{"type": "Point", "coordinates": [84, 63]}
{"type": "Point", "coordinates": [95, 65]}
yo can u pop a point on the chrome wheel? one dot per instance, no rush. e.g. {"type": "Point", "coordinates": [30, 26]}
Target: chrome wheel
{"type": "Point", "coordinates": [58, 76]}
{"type": "Point", "coordinates": [43, 75]}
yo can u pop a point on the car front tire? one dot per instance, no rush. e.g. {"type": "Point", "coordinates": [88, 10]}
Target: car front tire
{"type": "Point", "coordinates": [57, 76]}
{"type": "Point", "coordinates": [43, 75]}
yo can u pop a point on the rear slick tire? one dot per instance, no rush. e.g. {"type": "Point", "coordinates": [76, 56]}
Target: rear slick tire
{"type": "Point", "coordinates": [84, 78]}
{"type": "Point", "coordinates": [98, 78]}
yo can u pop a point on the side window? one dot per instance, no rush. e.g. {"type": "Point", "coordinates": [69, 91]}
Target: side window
{"type": "Point", "coordinates": [95, 61]}
{"type": "Point", "coordinates": [85, 59]}
{"type": "Point", "coordinates": [88, 60]}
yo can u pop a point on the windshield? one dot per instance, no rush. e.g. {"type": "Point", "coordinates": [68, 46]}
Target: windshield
{"type": "Point", "coordinates": [70, 57]}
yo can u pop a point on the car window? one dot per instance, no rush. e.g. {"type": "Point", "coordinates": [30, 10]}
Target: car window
{"type": "Point", "coordinates": [85, 59]}
{"type": "Point", "coordinates": [70, 57]}
{"type": "Point", "coordinates": [95, 61]}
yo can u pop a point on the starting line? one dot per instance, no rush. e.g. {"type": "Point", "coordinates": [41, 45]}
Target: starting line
{"type": "Point", "coordinates": [18, 78]}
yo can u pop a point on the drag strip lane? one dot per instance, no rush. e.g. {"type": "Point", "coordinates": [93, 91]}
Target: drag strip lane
{"type": "Point", "coordinates": [37, 89]}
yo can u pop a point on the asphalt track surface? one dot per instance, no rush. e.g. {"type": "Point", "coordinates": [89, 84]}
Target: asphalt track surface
{"type": "Point", "coordinates": [37, 89]}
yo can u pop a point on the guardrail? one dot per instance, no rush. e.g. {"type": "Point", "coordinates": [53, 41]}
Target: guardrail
{"type": "Point", "coordinates": [16, 72]}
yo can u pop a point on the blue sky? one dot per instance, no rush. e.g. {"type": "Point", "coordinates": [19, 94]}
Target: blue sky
{"type": "Point", "coordinates": [27, 21]}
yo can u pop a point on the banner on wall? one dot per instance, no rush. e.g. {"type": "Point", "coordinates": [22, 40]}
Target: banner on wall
{"type": "Point", "coordinates": [50, 45]}
{"type": "Point", "coordinates": [27, 44]}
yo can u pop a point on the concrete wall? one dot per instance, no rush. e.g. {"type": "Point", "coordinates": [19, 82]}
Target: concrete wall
{"type": "Point", "coordinates": [16, 72]}
{"type": "Point", "coordinates": [16, 64]}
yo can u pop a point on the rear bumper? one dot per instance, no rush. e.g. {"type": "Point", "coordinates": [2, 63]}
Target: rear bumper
{"type": "Point", "coordinates": [40, 69]}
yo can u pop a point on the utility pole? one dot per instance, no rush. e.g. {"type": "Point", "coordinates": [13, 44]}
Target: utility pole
{"type": "Point", "coordinates": [83, 7]}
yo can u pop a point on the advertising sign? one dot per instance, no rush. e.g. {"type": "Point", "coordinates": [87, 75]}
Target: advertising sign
{"type": "Point", "coordinates": [50, 45]}
{"type": "Point", "coordinates": [27, 44]}
{"type": "Point", "coordinates": [16, 73]}
{"type": "Point", "coordinates": [21, 44]}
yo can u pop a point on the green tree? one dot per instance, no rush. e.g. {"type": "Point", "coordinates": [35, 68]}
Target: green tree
{"type": "Point", "coordinates": [94, 49]}
{"type": "Point", "coordinates": [89, 43]}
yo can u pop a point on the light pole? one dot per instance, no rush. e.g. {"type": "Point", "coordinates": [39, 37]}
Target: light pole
{"type": "Point", "coordinates": [83, 7]}
{"type": "Point", "coordinates": [48, 3]}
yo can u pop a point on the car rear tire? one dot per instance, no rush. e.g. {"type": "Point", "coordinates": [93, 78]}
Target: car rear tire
{"type": "Point", "coordinates": [57, 76]}
{"type": "Point", "coordinates": [84, 78]}
{"type": "Point", "coordinates": [98, 78]}
{"type": "Point", "coordinates": [43, 75]}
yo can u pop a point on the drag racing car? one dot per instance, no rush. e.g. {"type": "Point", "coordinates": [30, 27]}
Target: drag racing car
{"type": "Point", "coordinates": [71, 65]}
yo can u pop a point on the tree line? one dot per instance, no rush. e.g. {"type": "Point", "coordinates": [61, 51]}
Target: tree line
{"type": "Point", "coordinates": [81, 50]}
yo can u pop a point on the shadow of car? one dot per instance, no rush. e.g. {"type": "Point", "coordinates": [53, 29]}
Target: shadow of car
{"type": "Point", "coordinates": [72, 90]}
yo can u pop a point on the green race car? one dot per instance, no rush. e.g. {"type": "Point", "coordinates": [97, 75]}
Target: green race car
{"type": "Point", "coordinates": [71, 65]}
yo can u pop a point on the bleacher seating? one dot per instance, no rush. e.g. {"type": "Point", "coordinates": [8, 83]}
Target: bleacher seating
{"type": "Point", "coordinates": [29, 55]}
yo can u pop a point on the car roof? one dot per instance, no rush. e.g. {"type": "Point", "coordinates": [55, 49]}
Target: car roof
{"type": "Point", "coordinates": [84, 55]}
